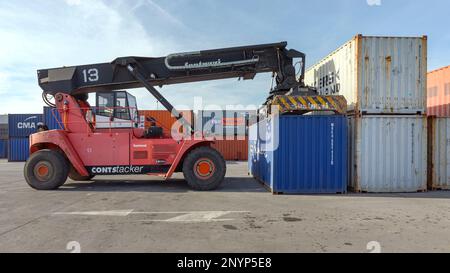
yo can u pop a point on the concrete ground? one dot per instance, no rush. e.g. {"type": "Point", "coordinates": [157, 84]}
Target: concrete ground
{"type": "Point", "coordinates": [142, 214]}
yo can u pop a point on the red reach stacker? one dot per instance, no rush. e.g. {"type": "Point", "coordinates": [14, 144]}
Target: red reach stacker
{"type": "Point", "coordinates": [106, 139]}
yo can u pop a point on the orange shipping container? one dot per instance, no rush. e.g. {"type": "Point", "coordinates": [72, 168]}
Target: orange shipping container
{"type": "Point", "coordinates": [164, 118]}
{"type": "Point", "coordinates": [439, 92]}
{"type": "Point", "coordinates": [232, 150]}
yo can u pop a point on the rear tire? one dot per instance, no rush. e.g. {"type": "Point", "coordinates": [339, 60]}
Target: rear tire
{"type": "Point", "coordinates": [46, 170]}
{"type": "Point", "coordinates": [75, 176]}
{"type": "Point", "coordinates": [204, 169]}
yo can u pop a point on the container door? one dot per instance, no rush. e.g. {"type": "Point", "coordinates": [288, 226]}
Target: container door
{"type": "Point", "coordinates": [441, 153]}
{"type": "Point", "coordinates": [391, 154]}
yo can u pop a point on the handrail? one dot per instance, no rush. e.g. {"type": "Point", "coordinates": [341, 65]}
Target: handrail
{"type": "Point", "coordinates": [61, 121]}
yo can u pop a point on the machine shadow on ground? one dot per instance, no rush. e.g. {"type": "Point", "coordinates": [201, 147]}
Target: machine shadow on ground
{"type": "Point", "coordinates": [231, 184]}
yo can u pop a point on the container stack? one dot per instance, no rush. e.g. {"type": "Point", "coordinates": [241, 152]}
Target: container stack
{"type": "Point", "coordinates": [439, 128]}
{"type": "Point", "coordinates": [20, 127]}
{"type": "Point", "coordinates": [3, 136]}
{"type": "Point", "coordinates": [384, 82]}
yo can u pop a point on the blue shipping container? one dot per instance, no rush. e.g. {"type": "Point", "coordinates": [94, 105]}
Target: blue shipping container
{"type": "Point", "coordinates": [300, 154]}
{"type": "Point", "coordinates": [3, 148]}
{"type": "Point", "coordinates": [18, 149]}
{"type": "Point", "coordinates": [52, 118]}
{"type": "Point", "coordinates": [23, 125]}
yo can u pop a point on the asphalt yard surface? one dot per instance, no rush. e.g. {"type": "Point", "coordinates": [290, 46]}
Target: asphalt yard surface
{"type": "Point", "coordinates": [146, 214]}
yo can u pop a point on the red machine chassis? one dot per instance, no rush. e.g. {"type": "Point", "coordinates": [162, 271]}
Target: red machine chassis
{"type": "Point", "coordinates": [111, 151]}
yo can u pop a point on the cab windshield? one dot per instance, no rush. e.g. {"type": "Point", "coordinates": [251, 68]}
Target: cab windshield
{"type": "Point", "coordinates": [118, 105]}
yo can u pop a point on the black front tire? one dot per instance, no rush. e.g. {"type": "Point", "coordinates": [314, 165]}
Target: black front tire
{"type": "Point", "coordinates": [75, 176]}
{"type": "Point", "coordinates": [46, 170]}
{"type": "Point", "coordinates": [208, 179]}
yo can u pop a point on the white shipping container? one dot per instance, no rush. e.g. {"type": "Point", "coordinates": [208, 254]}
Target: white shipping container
{"type": "Point", "coordinates": [377, 75]}
{"type": "Point", "coordinates": [439, 137]}
{"type": "Point", "coordinates": [3, 119]}
{"type": "Point", "coordinates": [388, 153]}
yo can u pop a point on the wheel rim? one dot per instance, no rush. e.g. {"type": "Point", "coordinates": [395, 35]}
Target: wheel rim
{"type": "Point", "coordinates": [42, 171]}
{"type": "Point", "coordinates": [204, 168]}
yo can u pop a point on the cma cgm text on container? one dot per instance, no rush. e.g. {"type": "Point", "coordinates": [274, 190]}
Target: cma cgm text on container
{"type": "Point", "coordinates": [20, 127]}
{"type": "Point", "coordinates": [377, 75]}
{"type": "Point", "coordinates": [23, 125]}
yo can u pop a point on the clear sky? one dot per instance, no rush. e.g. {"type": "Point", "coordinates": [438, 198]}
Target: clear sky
{"type": "Point", "coordinates": [52, 33]}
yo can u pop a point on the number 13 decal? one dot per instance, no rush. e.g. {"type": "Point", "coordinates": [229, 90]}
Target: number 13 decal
{"type": "Point", "coordinates": [90, 75]}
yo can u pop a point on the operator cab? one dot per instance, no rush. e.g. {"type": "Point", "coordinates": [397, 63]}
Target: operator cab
{"type": "Point", "coordinates": [116, 110]}
{"type": "Point", "coordinates": [119, 110]}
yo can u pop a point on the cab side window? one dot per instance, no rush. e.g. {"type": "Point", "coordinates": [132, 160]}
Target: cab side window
{"type": "Point", "coordinates": [105, 102]}
{"type": "Point", "coordinates": [133, 108]}
{"type": "Point", "coordinates": [122, 110]}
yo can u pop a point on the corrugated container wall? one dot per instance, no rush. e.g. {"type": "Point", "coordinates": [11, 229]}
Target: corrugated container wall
{"type": "Point", "coordinates": [4, 127]}
{"type": "Point", "coordinates": [18, 149]}
{"type": "Point", "coordinates": [439, 143]}
{"type": "Point", "coordinates": [52, 118]}
{"type": "Point", "coordinates": [3, 119]}
{"type": "Point", "coordinates": [3, 148]}
{"type": "Point", "coordinates": [164, 118]}
{"type": "Point", "coordinates": [439, 92]}
{"type": "Point", "coordinates": [253, 150]}
{"type": "Point", "coordinates": [23, 125]}
{"type": "Point", "coordinates": [300, 154]}
{"type": "Point", "coordinates": [388, 153]}
{"type": "Point", "coordinates": [377, 75]}
{"type": "Point", "coordinates": [4, 132]}
{"type": "Point", "coordinates": [232, 150]}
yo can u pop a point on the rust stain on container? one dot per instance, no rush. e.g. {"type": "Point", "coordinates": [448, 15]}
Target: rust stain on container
{"type": "Point", "coordinates": [438, 92]}
{"type": "Point", "coordinates": [439, 153]}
